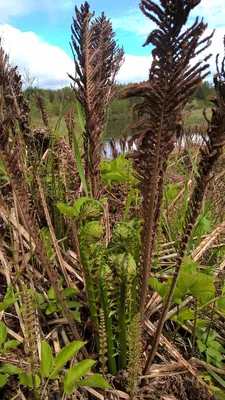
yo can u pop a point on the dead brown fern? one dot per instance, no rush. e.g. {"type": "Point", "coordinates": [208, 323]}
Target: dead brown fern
{"type": "Point", "coordinates": [97, 60]}
{"type": "Point", "coordinates": [172, 80]}
{"type": "Point", "coordinates": [209, 154]}
{"type": "Point", "coordinates": [10, 80]}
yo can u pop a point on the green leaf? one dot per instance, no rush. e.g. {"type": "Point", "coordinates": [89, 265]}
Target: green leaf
{"type": "Point", "coordinates": [10, 369]}
{"type": "Point", "coordinates": [76, 315]}
{"type": "Point", "coordinates": [51, 293]}
{"type": "Point", "coordinates": [209, 336]}
{"type": "Point", "coordinates": [3, 380]}
{"type": "Point", "coordinates": [40, 298]}
{"type": "Point", "coordinates": [51, 309]}
{"type": "Point", "coordinates": [217, 346]}
{"type": "Point", "coordinates": [194, 166]}
{"type": "Point", "coordinates": [3, 333]}
{"type": "Point", "coordinates": [201, 346]}
{"type": "Point", "coordinates": [65, 355]}
{"type": "Point", "coordinates": [221, 303]}
{"type": "Point", "coordinates": [78, 203]}
{"type": "Point", "coordinates": [157, 286]}
{"type": "Point", "coordinates": [75, 373]}
{"type": "Point", "coordinates": [185, 314]}
{"type": "Point", "coordinates": [78, 157]}
{"type": "Point", "coordinates": [114, 176]}
{"type": "Point", "coordinates": [69, 291]}
{"type": "Point", "coordinates": [65, 209]}
{"type": "Point", "coordinates": [7, 303]}
{"type": "Point", "coordinates": [93, 381]}
{"type": "Point", "coordinates": [214, 354]}
{"type": "Point", "coordinates": [26, 380]}
{"type": "Point", "coordinates": [10, 344]}
{"type": "Point", "coordinates": [46, 359]}
{"type": "Point", "coordinates": [91, 210]}
{"type": "Point", "coordinates": [203, 288]}
{"type": "Point", "coordinates": [216, 377]}
{"type": "Point", "coordinates": [73, 304]}
{"type": "Point", "coordinates": [202, 323]}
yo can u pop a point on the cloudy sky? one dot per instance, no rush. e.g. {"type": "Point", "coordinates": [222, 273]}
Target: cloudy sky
{"type": "Point", "coordinates": [36, 34]}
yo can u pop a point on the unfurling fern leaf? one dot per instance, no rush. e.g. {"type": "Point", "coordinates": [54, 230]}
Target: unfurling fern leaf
{"type": "Point", "coordinates": [91, 210]}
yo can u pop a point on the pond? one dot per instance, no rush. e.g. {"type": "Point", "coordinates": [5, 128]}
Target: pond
{"type": "Point", "coordinates": [115, 127]}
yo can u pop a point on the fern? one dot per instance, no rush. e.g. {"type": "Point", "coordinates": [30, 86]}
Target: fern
{"type": "Point", "coordinates": [134, 355]}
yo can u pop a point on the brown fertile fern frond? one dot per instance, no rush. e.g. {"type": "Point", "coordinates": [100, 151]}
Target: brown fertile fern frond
{"type": "Point", "coordinates": [13, 161]}
{"type": "Point", "coordinates": [70, 123]}
{"type": "Point", "coordinates": [97, 60]}
{"type": "Point", "coordinates": [209, 154]}
{"type": "Point", "coordinates": [172, 80]}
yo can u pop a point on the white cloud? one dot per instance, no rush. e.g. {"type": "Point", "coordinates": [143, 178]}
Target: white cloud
{"type": "Point", "coordinates": [49, 64]}
{"type": "Point", "coordinates": [133, 20]}
{"type": "Point", "coordinates": [134, 69]}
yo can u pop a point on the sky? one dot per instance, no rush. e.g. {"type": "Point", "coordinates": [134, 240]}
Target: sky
{"type": "Point", "coordinates": [36, 34]}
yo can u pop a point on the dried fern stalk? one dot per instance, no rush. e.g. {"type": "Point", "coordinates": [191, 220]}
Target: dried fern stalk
{"type": "Point", "coordinates": [10, 81]}
{"type": "Point", "coordinates": [97, 60]}
{"type": "Point", "coordinates": [209, 154]}
{"type": "Point", "coordinates": [172, 80]}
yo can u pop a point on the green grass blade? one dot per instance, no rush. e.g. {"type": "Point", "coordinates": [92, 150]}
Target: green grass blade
{"type": "Point", "coordinates": [128, 203]}
{"type": "Point", "coordinates": [80, 115]}
{"type": "Point", "coordinates": [216, 377]}
{"type": "Point", "coordinates": [79, 163]}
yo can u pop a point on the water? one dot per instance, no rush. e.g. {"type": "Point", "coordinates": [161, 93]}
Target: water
{"type": "Point", "coordinates": [117, 126]}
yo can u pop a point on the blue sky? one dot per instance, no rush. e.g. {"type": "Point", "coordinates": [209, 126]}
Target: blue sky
{"type": "Point", "coordinates": [36, 33]}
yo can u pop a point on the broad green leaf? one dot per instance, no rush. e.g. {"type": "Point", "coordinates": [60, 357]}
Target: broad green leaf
{"type": "Point", "coordinates": [3, 333]}
{"type": "Point", "coordinates": [221, 303]}
{"type": "Point", "coordinates": [7, 303]}
{"type": "Point", "coordinates": [51, 309]}
{"type": "Point", "coordinates": [75, 373]}
{"type": "Point", "coordinates": [209, 336]}
{"type": "Point", "coordinates": [202, 323]}
{"type": "Point", "coordinates": [214, 354]}
{"type": "Point", "coordinates": [10, 369]}
{"type": "Point", "coordinates": [217, 346]}
{"type": "Point", "coordinates": [51, 293]}
{"type": "Point", "coordinates": [65, 209]}
{"type": "Point", "coordinates": [27, 380]}
{"type": "Point", "coordinates": [73, 304]}
{"type": "Point", "coordinates": [40, 298]}
{"type": "Point", "coordinates": [203, 288]}
{"type": "Point", "coordinates": [201, 346]}
{"type": "Point", "coordinates": [114, 176]}
{"type": "Point", "coordinates": [65, 355]}
{"type": "Point", "coordinates": [185, 314]}
{"type": "Point", "coordinates": [69, 291]}
{"type": "Point", "coordinates": [157, 286]}
{"type": "Point", "coordinates": [93, 381]}
{"type": "Point", "coordinates": [76, 315]}
{"type": "Point", "coordinates": [46, 359]}
{"type": "Point", "coordinates": [10, 344]}
{"type": "Point", "coordinates": [3, 380]}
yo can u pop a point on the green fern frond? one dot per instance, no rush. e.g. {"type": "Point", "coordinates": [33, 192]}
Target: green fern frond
{"type": "Point", "coordinates": [91, 210]}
